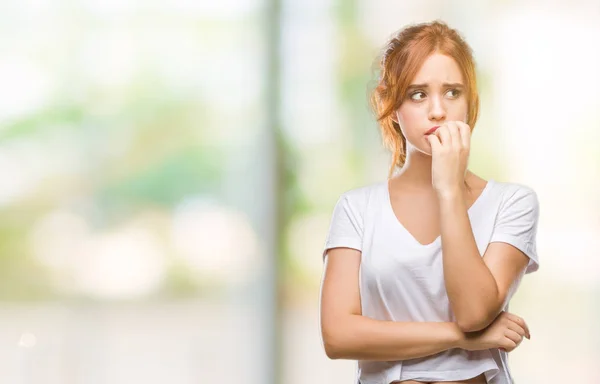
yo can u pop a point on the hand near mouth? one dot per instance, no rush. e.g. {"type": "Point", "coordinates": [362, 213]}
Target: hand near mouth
{"type": "Point", "coordinates": [432, 130]}
{"type": "Point", "coordinates": [450, 148]}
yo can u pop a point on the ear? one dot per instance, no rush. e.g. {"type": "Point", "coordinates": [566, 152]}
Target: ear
{"type": "Point", "coordinates": [394, 117]}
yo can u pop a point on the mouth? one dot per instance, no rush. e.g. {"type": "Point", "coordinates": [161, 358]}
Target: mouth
{"type": "Point", "coordinates": [431, 130]}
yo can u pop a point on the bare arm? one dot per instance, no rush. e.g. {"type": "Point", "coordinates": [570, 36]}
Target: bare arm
{"type": "Point", "coordinates": [349, 335]}
{"type": "Point", "coordinates": [476, 300]}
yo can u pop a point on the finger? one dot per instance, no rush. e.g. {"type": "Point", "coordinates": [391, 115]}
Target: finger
{"type": "Point", "coordinates": [516, 328]}
{"type": "Point", "coordinates": [465, 134]}
{"type": "Point", "coordinates": [513, 336]}
{"type": "Point", "coordinates": [443, 135]}
{"type": "Point", "coordinates": [526, 328]}
{"type": "Point", "coordinates": [454, 131]}
{"type": "Point", "coordinates": [434, 141]}
{"type": "Point", "coordinates": [508, 345]}
{"type": "Point", "coordinates": [519, 321]}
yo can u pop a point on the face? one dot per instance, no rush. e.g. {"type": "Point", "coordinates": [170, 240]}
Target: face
{"type": "Point", "coordinates": [436, 95]}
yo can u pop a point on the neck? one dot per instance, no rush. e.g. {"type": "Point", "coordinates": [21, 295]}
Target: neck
{"type": "Point", "coordinates": [416, 171]}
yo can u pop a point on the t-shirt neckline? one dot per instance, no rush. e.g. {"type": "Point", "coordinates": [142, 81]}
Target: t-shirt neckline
{"type": "Point", "coordinates": [389, 208]}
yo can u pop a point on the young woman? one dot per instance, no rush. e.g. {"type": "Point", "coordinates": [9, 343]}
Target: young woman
{"type": "Point", "coordinates": [419, 268]}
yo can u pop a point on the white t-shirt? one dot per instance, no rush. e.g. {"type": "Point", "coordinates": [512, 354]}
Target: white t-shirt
{"type": "Point", "coordinates": [402, 280]}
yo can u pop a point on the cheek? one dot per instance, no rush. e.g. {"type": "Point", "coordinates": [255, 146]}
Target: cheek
{"type": "Point", "coordinates": [410, 119]}
{"type": "Point", "coordinates": [461, 112]}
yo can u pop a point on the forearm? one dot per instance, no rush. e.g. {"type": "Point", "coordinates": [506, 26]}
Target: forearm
{"type": "Point", "coordinates": [474, 299]}
{"type": "Point", "coordinates": [363, 338]}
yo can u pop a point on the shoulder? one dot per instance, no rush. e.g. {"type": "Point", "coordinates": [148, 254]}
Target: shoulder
{"type": "Point", "coordinates": [360, 196]}
{"type": "Point", "coordinates": [511, 190]}
{"type": "Point", "coordinates": [516, 196]}
{"type": "Point", "coordinates": [357, 201]}
{"type": "Point", "coordinates": [505, 188]}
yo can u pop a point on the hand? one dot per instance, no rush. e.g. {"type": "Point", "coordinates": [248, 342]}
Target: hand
{"type": "Point", "coordinates": [505, 332]}
{"type": "Point", "coordinates": [450, 147]}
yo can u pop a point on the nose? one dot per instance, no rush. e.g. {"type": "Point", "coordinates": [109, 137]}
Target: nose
{"type": "Point", "coordinates": [437, 110]}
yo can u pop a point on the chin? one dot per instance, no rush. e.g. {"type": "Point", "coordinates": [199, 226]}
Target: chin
{"type": "Point", "coordinates": [425, 152]}
{"type": "Point", "coordinates": [423, 149]}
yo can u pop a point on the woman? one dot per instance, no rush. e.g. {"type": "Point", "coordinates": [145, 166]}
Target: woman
{"type": "Point", "coordinates": [419, 269]}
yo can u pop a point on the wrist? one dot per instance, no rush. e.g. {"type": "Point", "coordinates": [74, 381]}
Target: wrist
{"type": "Point", "coordinates": [450, 193]}
{"type": "Point", "coordinates": [460, 339]}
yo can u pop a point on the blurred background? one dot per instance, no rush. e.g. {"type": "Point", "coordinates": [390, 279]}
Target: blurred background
{"type": "Point", "coordinates": [169, 170]}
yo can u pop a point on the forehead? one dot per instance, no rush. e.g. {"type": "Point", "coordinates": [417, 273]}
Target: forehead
{"type": "Point", "coordinates": [439, 68]}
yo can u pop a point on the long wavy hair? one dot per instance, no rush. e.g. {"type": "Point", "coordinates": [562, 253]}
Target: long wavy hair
{"type": "Point", "coordinates": [399, 62]}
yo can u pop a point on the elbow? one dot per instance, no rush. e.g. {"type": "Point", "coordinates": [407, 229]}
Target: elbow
{"type": "Point", "coordinates": [469, 326]}
{"type": "Point", "coordinates": [472, 322]}
{"type": "Point", "coordinates": [476, 317]}
{"type": "Point", "coordinates": [335, 344]}
{"type": "Point", "coordinates": [332, 350]}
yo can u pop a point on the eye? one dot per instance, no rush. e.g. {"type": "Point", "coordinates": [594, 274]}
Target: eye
{"type": "Point", "coordinates": [417, 96]}
{"type": "Point", "coordinates": [457, 93]}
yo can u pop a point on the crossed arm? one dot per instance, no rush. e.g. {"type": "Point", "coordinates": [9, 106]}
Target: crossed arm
{"type": "Point", "coordinates": [347, 334]}
{"type": "Point", "coordinates": [476, 301]}
{"type": "Point", "coordinates": [477, 287]}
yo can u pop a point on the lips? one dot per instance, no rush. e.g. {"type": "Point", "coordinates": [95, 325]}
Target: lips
{"type": "Point", "coordinates": [431, 130]}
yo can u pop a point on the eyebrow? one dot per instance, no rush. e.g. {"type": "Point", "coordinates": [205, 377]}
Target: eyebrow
{"type": "Point", "coordinates": [446, 85]}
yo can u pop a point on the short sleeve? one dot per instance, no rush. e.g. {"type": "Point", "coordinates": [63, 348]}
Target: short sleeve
{"type": "Point", "coordinates": [517, 223]}
{"type": "Point", "coordinates": [346, 227]}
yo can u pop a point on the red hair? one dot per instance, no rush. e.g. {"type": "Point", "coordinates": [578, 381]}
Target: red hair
{"type": "Point", "coordinates": [399, 63]}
